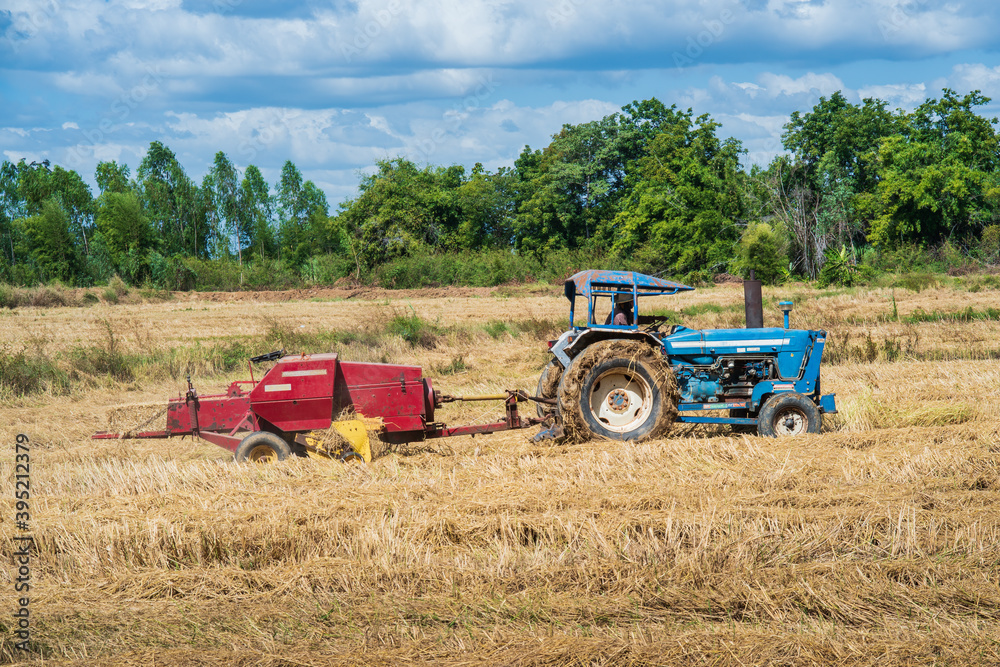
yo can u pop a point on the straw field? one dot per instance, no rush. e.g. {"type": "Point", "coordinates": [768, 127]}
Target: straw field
{"type": "Point", "coordinates": [876, 542]}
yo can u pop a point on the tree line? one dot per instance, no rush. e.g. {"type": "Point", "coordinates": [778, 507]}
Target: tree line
{"type": "Point", "coordinates": [652, 188]}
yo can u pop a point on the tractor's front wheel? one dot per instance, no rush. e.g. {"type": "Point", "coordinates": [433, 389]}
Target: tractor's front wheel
{"type": "Point", "coordinates": [262, 447]}
{"type": "Point", "coordinates": [789, 414]}
{"type": "Point", "coordinates": [622, 390]}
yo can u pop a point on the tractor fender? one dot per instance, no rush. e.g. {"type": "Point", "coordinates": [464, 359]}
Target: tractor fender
{"type": "Point", "coordinates": [588, 337]}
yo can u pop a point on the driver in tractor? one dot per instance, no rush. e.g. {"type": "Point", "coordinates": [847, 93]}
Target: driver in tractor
{"type": "Point", "coordinates": [621, 314]}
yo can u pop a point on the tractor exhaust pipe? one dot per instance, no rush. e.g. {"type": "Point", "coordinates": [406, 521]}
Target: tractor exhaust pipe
{"type": "Point", "coordinates": [753, 302]}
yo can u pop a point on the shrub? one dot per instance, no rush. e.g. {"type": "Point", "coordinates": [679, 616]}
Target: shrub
{"type": "Point", "coordinates": [328, 269]}
{"type": "Point", "coordinates": [496, 329]}
{"type": "Point", "coordinates": [915, 282]}
{"type": "Point", "coordinates": [414, 330]}
{"type": "Point", "coordinates": [294, 339]}
{"type": "Point", "coordinates": [48, 297]}
{"type": "Point", "coordinates": [457, 365]}
{"type": "Point", "coordinates": [173, 273]}
{"type": "Point", "coordinates": [763, 250]}
{"type": "Point", "coordinates": [478, 269]}
{"type": "Point", "coordinates": [989, 244]}
{"type": "Point", "coordinates": [105, 358]}
{"type": "Point", "coordinates": [838, 269]}
{"type": "Point", "coordinates": [118, 286]}
{"type": "Point", "coordinates": [23, 373]}
{"type": "Point", "coordinates": [9, 297]}
{"type": "Point", "coordinates": [268, 274]}
{"type": "Point", "coordinates": [906, 258]}
{"type": "Point", "coordinates": [980, 283]}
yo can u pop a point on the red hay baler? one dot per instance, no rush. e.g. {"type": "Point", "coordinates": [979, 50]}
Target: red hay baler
{"type": "Point", "coordinates": [306, 393]}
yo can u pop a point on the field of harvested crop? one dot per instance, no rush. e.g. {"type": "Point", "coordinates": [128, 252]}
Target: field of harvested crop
{"type": "Point", "coordinates": [874, 543]}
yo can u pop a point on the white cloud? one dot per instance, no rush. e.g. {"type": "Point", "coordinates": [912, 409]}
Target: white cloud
{"type": "Point", "coordinates": [903, 95]}
{"type": "Point", "coordinates": [352, 139]}
{"type": "Point", "coordinates": [975, 76]}
{"type": "Point", "coordinates": [445, 81]}
{"type": "Point", "coordinates": [149, 5]}
{"type": "Point", "coordinates": [480, 33]}
{"type": "Point", "coordinates": [771, 95]}
{"type": "Point", "coordinates": [27, 156]}
{"type": "Point", "coordinates": [86, 83]}
{"type": "Point", "coordinates": [781, 84]}
{"type": "Point", "coordinates": [380, 124]}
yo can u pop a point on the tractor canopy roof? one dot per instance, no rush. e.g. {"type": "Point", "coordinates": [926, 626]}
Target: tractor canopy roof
{"type": "Point", "coordinates": [586, 283]}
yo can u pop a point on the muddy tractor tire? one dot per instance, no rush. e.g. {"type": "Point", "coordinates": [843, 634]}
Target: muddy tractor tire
{"type": "Point", "coordinates": [789, 414]}
{"type": "Point", "coordinates": [621, 390]}
{"type": "Point", "coordinates": [262, 447]}
{"type": "Point", "coordinates": [548, 387]}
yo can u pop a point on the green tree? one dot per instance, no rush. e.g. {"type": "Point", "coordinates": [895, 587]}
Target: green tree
{"type": "Point", "coordinates": [302, 207]}
{"type": "Point", "coordinates": [571, 186]}
{"type": "Point", "coordinates": [814, 193]}
{"type": "Point", "coordinates": [112, 177]}
{"type": "Point", "coordinates": [835, 138]}
{"type": "Point", "coordinates": [487, 210]}
{"type": "Point", "coordinates": [48, 243]}
{"type": "Point", "coordinates": [938, 179]}
{"type": "Point", "coordinates": [257, 208]}
{"type": "Point", "coordinates": [38, 183]}
{"type": "Point", "coordinates": [402, 209]}
{"type": "Point", "coordinates": [222, 187]}
{"type": "Point", "coordinates": [173, 203]}
{"type": "Point", "coordinates": [292, 209]}
{"type": "Point", "coordinates": [10, 209]}
{"type": "Point", "coordinates": [684, 203]}
{"type": "Point", "coordinates": [127, 233]}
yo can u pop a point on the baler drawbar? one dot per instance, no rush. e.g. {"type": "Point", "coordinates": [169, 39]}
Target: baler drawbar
{"type": "Point", "coordinates": [305, 393]}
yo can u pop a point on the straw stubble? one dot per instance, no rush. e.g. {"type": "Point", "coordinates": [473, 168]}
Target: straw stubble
{"type": "Point", "coordinates": [875, 542]}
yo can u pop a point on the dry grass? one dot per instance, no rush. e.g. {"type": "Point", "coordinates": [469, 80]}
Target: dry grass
{"type": "Point", "coordinates": [875, 543]}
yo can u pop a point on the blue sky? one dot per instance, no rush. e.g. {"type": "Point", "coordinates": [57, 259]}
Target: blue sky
{"type": "Point", "coordinates": [336, 86]}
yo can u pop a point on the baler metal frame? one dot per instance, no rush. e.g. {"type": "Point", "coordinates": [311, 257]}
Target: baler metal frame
{"type": "Point", "coordinates": [304, 393]}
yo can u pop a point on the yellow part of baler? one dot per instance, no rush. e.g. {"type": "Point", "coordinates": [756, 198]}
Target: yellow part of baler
{"type": "Point", "coordinates": [342, 438]}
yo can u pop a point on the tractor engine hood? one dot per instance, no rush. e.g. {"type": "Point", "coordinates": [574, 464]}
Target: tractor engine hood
{"type": "Point", "coordinates": [707, 345]}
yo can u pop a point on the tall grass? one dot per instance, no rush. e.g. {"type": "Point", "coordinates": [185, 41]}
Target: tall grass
{"type": "Point", "coordinates": [125, 352]}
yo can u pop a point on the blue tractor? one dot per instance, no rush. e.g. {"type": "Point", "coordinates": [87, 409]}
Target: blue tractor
{"type": "Point", "coordinates": [630, 375]}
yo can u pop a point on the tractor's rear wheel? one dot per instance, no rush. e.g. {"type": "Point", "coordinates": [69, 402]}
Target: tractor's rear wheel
{"type": "Point", "coordinates": [548, 386]}
{"type": "Point", "coordinates": [622, 390]}
{"type": "Point", "coordinates": [262, 447]}
{"type": "Point", "coordinates": [789, 414]}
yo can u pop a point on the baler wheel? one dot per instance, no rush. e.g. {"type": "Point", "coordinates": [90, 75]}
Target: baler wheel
{"type": "Point", "coordinates": [789, 414]}
{"type": "Point", "coordinates": [548, 386]}
{"type": "Point", "coordinates": [351, 456]}
{"type": "Point", "coordinates": [262, 447]}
